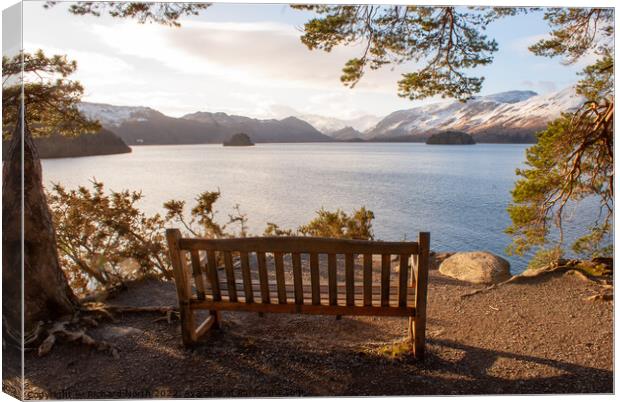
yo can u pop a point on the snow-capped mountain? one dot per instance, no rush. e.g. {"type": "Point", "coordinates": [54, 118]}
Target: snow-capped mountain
{"type": "Point", "coordinates": [114, 116]}
{"type": "Point", "coordinates": [138, 125]}
{"type": "Point", "coordinates": [512, 116]}
{"type": "Point", "coordinates": [329, 125]}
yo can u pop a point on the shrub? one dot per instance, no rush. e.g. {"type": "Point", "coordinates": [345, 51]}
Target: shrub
{"type": "Point", "coordinates": [336, 224]}
{"type": "Point", "coordinates": [104, 239]}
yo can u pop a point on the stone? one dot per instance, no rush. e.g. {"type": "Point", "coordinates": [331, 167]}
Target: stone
{"type": "Point", "coordinates": [436, 258]}
{"type": "Point", "coordinates": [476, 267]}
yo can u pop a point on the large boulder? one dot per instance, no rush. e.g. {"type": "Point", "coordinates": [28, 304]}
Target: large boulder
{"type": "Point", "coordinates": [476, 267]}
{"type": "Point", "coordinates": [436, 258]}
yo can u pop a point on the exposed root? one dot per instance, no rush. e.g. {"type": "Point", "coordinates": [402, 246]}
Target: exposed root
{"type": "Point", "coordinates": [61, 330]}
{"type": "Point", "coordinates": [89, 314]}
{"type": "Point", "coordinates": [169, 316]}
{"type": "Point", "coordinates": [571, 267]}
{"type": "Point", "coordinates": [603, 296]}
{"type": "Point", "coordinates": [169, 312]}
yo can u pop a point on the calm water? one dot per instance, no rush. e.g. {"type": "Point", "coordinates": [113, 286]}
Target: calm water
{"type": "Point", "coordinates": [458, 193]}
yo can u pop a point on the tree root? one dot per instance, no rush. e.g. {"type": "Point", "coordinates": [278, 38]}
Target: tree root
{"type": "Point", "coordinates": [600, 296]}
{"type": "Point", "coordinates": [570, 267]}
{"type": "Point", "coordinates": [74, 329]}
{"type": "Point", "coordinates": [169, 312]}
{"type": "Point", "coordinates": [60, 329]}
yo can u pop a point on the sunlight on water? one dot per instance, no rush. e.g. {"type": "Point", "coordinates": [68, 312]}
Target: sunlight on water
{"type": "Point", "coordinates": [458, 193]}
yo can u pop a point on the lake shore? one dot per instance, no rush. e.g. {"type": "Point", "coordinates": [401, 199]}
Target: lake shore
{"type": "Point", "coordinates": [536, 336]}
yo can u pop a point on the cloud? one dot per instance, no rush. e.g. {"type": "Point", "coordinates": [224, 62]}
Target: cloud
{"type": "Point", "coordinates": [542, 87]}
{"type": "Point", "coordinates": [253, 53]}
{"type": "Point", "coordinates": [93, 67]}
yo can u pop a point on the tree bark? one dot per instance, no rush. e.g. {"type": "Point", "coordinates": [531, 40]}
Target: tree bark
{"type": "Point", "coordinates": [45, 292]}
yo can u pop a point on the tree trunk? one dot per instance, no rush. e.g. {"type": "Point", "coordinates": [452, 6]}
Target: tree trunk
{"type": "Point", "coordinates": [46, 292]}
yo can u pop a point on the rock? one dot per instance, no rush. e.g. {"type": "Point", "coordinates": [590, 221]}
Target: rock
{"type": "Point", "coordinates": [437, 258]}
{"type": "Point", "coordinates": [476, 267]}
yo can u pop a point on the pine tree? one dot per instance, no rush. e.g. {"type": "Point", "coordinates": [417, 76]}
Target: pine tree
{"type": "Point", "coordinates": [47, 105]}
{"type": "Point", "coordinates": [573, 158]}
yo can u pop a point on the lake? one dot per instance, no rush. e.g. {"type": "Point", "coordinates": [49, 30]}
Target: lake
{"type": "Point", "coordinates": [458, 193]}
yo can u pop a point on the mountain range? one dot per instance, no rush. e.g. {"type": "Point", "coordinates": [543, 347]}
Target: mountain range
{"type": "Point", "coordinates": [513, 116]}
{"type": "Point", "coordinates": [138, 125]}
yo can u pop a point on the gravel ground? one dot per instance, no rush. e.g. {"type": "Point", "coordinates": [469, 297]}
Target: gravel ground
{"type": "Point", "coordinates": [538, 337]}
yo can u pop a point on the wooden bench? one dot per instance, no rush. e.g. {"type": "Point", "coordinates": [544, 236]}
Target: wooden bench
{"type": "Point", "coordinates": [322, 278]}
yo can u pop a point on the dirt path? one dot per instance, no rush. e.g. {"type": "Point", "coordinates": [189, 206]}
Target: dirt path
{"type": "Point", "coordinates": [540, 337]}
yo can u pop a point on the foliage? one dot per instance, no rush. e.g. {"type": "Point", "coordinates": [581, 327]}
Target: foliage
{"type": "Point", "coordinates": [544, 257]}
{"type": "Point", "coordinates": [335, 224]}
{"type": "Point", "coordinates": [573, 158]}
{"type": "Point", "coordinates": [447, 40]}
{"type": "Point", "coordinates": [165, 13]}
{"type": "Point", "coordinates": [104, 239]}
{"type": "Point", "coordinates": [273, 229]}
{"type": "Point", "coordinates": [201, 222]}
{"type": "Point", "coordinates": [576, 31]}
{"type": "Point", "coordinates": [49, 97]}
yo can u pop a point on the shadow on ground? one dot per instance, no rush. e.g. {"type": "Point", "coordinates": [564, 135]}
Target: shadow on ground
{"type": "Point", "coordinates": [471, 349]}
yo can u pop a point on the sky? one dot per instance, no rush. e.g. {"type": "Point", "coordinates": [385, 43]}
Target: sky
{"type": "Point", "coordinates": [248, 59]}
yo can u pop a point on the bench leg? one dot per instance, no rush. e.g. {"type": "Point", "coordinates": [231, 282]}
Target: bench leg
{"type": "Point", "coordinates": [217, 318]}
{"type": "Point", "coordinates": [417, 337]}
{"type": "Point", "coordinates": [188, 326]}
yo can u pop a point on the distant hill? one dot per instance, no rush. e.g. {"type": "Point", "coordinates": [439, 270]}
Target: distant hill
{"type": "Point", "coordinates": [102, 143]}
{"type": "Point", "coordinates": [346, 134]}
{"type": "Point", "coordinates": [513, 116]}
{"type": "Point", "coordinates": [506, 117]}
{"type": "Point", "coordinates": [450, 138]}
{"type": "Point", "coordinates": [145, 126]}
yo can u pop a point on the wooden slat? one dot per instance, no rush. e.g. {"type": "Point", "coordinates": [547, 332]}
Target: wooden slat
{"type": "Point", "coordinates": [325, 299]}
{"type": "Point", "coordinates": [230, 276]}
{"type": "Point", "coordinates": [367, 279]}
{"type": "Point", "coordinates": [385, 279]}
{"type": "Point", "coordinates": [324, 289]}
{"type": "Point", "coordinates": [315, 279]}
{"type": "Point", "coordinates": [247, 278]}
{"type": "Point", "coordinates": [280, 280]}
{"type": "Point", "coordinates": [349, 278]}
{"type": "Point", "coordinates": [213, 277]}
{"type": "Point", "coordinates": [263, 278]}
{"type": "Point", "coordinates": [297, 279]}
{"type": "Point", "coordinates": [304, 308]}
{"type": "Point", "coordinates": [296, 244]}
{"type": "Point", "coordinates": [197, 274]}
{"type": "Point", "coordinates": [331, 278]}
{"type": "Point", "coordinates": [205, 326]}
{"type": "Point", "coordinates": [414, 265]}
{"type": "Point", "coordinates": [403, 276]}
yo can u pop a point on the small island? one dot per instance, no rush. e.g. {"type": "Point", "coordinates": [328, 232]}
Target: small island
{"type": "Point", "coordinates": [451, 138]}
{"type": "Point", "coordinates": [239, 140]}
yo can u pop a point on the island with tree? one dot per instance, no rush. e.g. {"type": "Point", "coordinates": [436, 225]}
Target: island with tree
{"type": "Point", "coordinates": [451, 138]}
{"type": "Point", "coordinates": [239, 140]}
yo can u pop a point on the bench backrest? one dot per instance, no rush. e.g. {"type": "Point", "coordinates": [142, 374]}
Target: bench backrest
{"type": "Point", "coordinates": [204, 256]}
